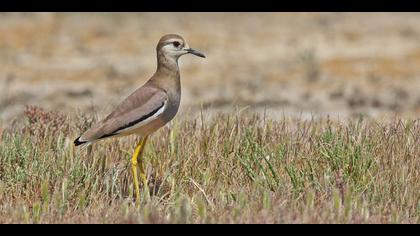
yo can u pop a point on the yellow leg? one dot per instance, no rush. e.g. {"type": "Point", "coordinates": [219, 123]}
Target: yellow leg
{"type": "Point", "coordinates": [134, 161]}
{"type": "Point", "coordinates": [141, 162]}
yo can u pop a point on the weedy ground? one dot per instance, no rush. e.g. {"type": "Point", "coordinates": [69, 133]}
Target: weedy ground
{"type": "Point", "coordinates": [228, 168]}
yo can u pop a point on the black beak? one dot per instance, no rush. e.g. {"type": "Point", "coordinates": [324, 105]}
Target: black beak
{"type": "Point", "coordinates": [195, 52]}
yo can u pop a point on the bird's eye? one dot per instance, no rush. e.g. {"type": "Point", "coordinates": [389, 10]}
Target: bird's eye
{"type": "Point", "coordinates": [176, 44]}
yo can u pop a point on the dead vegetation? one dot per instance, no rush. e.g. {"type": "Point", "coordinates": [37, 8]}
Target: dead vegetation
{"type": "Point", "coordinates": [231, 168]}
{"type": "Point", "coordinates": [326, 128]}
{"type": "Point", "coordinates": [291, 63]}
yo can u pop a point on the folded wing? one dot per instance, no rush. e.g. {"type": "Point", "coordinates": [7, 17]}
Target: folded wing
{"type": "Point", "coordinates": [139, 109]}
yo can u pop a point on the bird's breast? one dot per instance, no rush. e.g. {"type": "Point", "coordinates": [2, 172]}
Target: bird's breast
{"type": "Point", "coordinates": [173, 106]}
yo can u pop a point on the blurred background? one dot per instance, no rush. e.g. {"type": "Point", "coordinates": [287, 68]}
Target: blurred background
{"type": "Point", "coordinates": [294, 64]}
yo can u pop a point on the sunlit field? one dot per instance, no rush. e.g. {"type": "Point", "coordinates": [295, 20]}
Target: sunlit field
{"type": "Point", "coordinates": [238, 168]}
{"type": "Point", "coordinates": [291, 118]}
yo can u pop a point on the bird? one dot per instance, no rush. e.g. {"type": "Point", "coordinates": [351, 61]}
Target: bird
{"type": "Point", "coordinates": [148, 108]}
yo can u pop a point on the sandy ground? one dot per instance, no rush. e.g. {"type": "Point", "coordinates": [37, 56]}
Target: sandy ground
{"type": "Point", "coordinates": [299, 64]}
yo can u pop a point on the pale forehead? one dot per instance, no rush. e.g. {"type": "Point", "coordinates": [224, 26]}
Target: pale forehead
{"type": "Point", "coordinates": [170, 38]}
{"type": "Point", "coordinates": [173, 40]}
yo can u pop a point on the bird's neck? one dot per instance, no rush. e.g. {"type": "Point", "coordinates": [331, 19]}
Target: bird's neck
{"type": "Point", "coordinates": [167, 65]}
{"type": "Point", "coordinates": [167, 74]}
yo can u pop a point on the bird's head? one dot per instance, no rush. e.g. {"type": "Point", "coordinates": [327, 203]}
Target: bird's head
{"type": "Point", "coordinates": [174, 46]}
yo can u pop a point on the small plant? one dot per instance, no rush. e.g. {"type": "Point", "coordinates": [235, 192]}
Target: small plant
{"type": "Point", "coordinates": [311, 65]}
{"type": "Point", "coordinates": [225, 169]}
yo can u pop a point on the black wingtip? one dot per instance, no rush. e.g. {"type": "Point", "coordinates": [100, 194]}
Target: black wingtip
{"type": "Point", "coordinates": [77, 142]}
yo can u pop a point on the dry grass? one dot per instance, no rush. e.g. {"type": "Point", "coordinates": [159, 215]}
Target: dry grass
{"type": "Point", "coordinates": [228, 168]}
{"type": "Point", "coordinates": [233, 167]}
{"type": "Point", "coordinates": [289, 62]}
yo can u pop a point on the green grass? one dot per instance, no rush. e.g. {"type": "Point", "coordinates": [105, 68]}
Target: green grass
{"type": "Point", "coordinates": [223, 169]}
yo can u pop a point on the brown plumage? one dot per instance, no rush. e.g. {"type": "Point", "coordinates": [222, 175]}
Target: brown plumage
{"type": "Point", "coordinates": [150, 106]}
